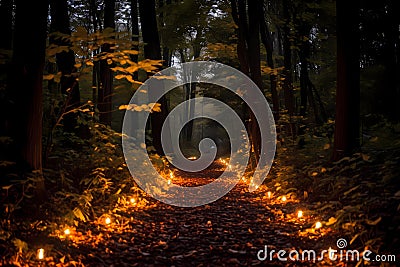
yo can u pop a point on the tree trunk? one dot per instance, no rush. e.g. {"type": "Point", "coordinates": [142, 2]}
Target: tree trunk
{"type": "Point", "coordinates": [240, 18]}
{"type": "Point", "coordinates": [287, 54]}
{"type": "Point", "coordinates": [247, 17]}
{"type": "Point", "coordinates": [135, 33]}
{"type": "Point", "coordinates": [269, 47]}
{"type": "Point", "coordinates": [152, 50]}
{"type": "Point", "coordinates": [166, 55]}
{"type": "Point", "coordinates": [255, 67]}
{"type": "Point", "coordinates": [106, 75]}
{"type": "Point", "coordinates": [347, 123]}
{"type": "Point", "coordinates": [6, 11]}
{"type": "Point", "coordinates": [65, 61]}
{"type": "Point", "coordinates": [25, 85]}
{"type": "Point", "coordinates": [95, 69]}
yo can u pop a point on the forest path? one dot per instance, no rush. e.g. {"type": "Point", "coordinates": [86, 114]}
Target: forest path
{"type": "Point", "coordinates": [227, 232]}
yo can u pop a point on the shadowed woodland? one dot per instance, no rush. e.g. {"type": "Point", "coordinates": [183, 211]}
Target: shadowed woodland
{"type": "Point", "coordinates": [328, 69]}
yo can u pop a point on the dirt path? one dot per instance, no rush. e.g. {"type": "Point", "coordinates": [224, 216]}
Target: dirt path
{"type": "Point", "coordinates": [228, 232]}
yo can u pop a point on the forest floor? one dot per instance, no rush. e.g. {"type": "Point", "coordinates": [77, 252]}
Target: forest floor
{"type": "Point", "coordinates": [349, 198]}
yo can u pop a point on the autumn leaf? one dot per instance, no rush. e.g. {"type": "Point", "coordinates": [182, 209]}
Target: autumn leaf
{"type": "Point", "coordinates": [155, 107]}
{"type": "Point", "coordinates": [332, 220]}
{"type": "Point", "coordinates": [48, 77]}
{"type": "Point", "coordinates": [120, 76]}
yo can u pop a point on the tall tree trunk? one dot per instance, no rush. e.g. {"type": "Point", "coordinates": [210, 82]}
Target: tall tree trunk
{"type": "Point", "coordinates": [240, 18]}
{"type": "Point", "coordinates": [166, 55]}
{"type": "Point", "coordinates": [269, 47]}
{"type": "Point", "coordinates": [25, 84]}
{"type": "Point", "coordinates": [152, 50]}
{"type": "Point", "coordinates": [96, 66]}
{"type": "Point", "coordinates": [135, 33]}
{"type": "Point", "coordinates": [255, 67]}
{"type": "Point", "coordinates": [347, 123]}
{"type": "Point", "coordinates": [247, 17]}
{"type": "Point", "coordinates": [65, 61]}
{"type": "Point", "coordinates": [287, 54]}
{"type": "Point", "coordinates": [6, 11]}
{"type": "Point", "coordinates": [106, 75]}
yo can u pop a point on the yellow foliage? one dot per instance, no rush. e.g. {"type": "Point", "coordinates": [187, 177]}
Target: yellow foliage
{"type": "Point", "coordinates": [120, 76]}
{"type": "Point", "coordinates": [151, 107]}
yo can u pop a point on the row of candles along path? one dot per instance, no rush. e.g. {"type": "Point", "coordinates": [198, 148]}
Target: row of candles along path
{"type": "Point", "coordinates": [107, 220]}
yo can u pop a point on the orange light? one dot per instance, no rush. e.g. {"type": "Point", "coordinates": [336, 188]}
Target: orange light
{"type": "Point", "coordinates": [169, 182]}
{"type": "Point", "coordinates": [40, 254]}
{"type": "Point", "coordinates": [299, 214]}
{"type": "Point", "coordinates": [133, 200]}
{"type": "Point", "coordinates": [67, 231]}
{"type": "Point", "coordinates": [108, 220]}
{"type": "Point", "coordinates": [269, 194]}
{"type": "Point", "coordinates": [318, 225]}
{"type": "Point", "coordinates": [284, 199]}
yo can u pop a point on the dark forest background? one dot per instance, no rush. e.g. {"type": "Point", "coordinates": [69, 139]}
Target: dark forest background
{"type": "Point", "coordinates": [329, 69]}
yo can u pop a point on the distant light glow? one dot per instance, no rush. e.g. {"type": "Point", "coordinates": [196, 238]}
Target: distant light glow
{"type": "Point", "coordinates": [269, 194]}
{"type": "Point", "coordinates": [108, 220]}
{"type": "Point", "coordinates": [133, 200]}
{"type": "Point", "coordinates": [169, 181]}
{"type": "Point", "coordinates": [192, 158]}
{"type": "Point", "coordinates": [284, 199]}
{"type": "Point", "coordinates": [67, 231]}
{"type": "Point", "coordinates": [318, 225]}
{"type": "Point", "coordinates": [299, 214]}
{"type": "Point", "coordinates": [40, 254]}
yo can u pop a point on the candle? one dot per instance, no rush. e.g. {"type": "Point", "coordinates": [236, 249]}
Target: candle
{"type": "Point", "coordinates": [318, 225]}
{"type": "Point", "coordinates": [40, 254]}
{"type": "Point", "coordinates": [299, 214]}
{"type": "Point", "coordinates": [108, 220]}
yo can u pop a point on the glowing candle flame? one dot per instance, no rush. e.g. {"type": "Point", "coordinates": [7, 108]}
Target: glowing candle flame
{"type": "Point", "coordinates": [40, 254]}
{"type": "Point", "coordinates": [67, 231]}
{"type": "Point", "coordinates": [284, 199]}
{"type": "Point", "coordinates": [108, 220]}
{"type": "Point", "coordinates": [269, 194]}
{"type": "Point", "coordinates": [299, 214]}
{"type": "Point", "coordinates": [318, 225]}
